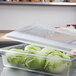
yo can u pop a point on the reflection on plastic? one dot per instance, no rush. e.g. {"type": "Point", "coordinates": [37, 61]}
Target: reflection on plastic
{"type": "Point", "coordinates": [16, 72]}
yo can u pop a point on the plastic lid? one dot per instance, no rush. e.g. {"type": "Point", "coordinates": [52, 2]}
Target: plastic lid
{"type": "Point", "coordinates": [45, 36]}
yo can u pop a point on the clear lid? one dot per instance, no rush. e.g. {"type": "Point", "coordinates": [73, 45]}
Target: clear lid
{"type": "Point", "coordinates": [42, 35]}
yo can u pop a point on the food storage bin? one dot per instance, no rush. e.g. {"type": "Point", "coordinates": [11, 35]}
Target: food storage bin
{"type": "Point", "coordinates": [44, 37]}
{"type": "Point", "coordinates": [18, 60]}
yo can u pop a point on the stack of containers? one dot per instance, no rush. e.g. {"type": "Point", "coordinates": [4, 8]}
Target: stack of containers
{"type": "Point", "coordinates": [45, 50]}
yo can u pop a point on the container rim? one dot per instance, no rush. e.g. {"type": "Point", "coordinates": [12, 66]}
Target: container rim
{"type": "Point", "coordinates": [6, 51]}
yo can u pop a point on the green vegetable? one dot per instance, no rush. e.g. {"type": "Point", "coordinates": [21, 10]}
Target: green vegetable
{"type": "Point", "coordinates": [46, 51]}
{"type": "Point", "coordinates": [62, 55]}
{"type": "Point", "coordinates": [71, 57]}
{"type": "Point", "coordinates": [34, 62]}
{"type": "Point", "coordinates": [32, 49]}
{"type": "Point", "coordinates": [7, 49]}
{"type": "Point", "coordinates": [15, 58]}
{"type": "Point", "coordinates": [56, 65]}
{"type": "Point", "coordinates": [37, 61]}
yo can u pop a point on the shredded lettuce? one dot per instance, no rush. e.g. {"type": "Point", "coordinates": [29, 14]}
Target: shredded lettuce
{"type": "Point", "coordinates": [46, 51]}
{"type": "Point", "coordinates": [34, 62]}
{"type": "Point", "coordinates": [32, 49]}
{"type": "Point", "coordinates": [7, 49]}
{"type": "Point", "coordinates": [52, 63]}
{"type": "Point", "coordinates": [56, 65]}
{"type": "Point", "coordinates": [15, 58]}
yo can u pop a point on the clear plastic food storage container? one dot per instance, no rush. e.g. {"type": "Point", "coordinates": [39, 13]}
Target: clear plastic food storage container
{"type": "Point", "coordinates": [45, 61]}
{"type": "Point", "coordinates": [47, 54]}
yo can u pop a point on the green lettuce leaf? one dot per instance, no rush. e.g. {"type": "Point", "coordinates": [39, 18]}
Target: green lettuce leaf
{"type": "Point", "coordinates": [15, 58]}
{"type": "Point", "coordinates": [56, 65]}
{"type": "Point", "coordinates": [34, 62]}
{"type": "Point", "coordinates": [32, 49]}
{"type": "Point", "coordinates": [46, 51]}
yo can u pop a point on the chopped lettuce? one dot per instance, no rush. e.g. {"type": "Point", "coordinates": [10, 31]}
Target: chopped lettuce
{"type": "Point", "coordinates": [58, 53]}
{"type": "Point", "coordinates": [32, 49]}
{"type": "Point", "coordinates": [34, 62]}
{"type": "Point", "coordinates": [7, 49]}
{"type": "Point", "coordinates": [52, 63]}
{"type": "Point", "coordinates": [37, 62]}
{"type": "Point", "coordinates": [46, 51]}
{"type": "Point", "coordinates": [15, 59]}
{"type": "Point", "coordinates": [56, 65]}
{"type": "Point", "coordinates": [71, 57]}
